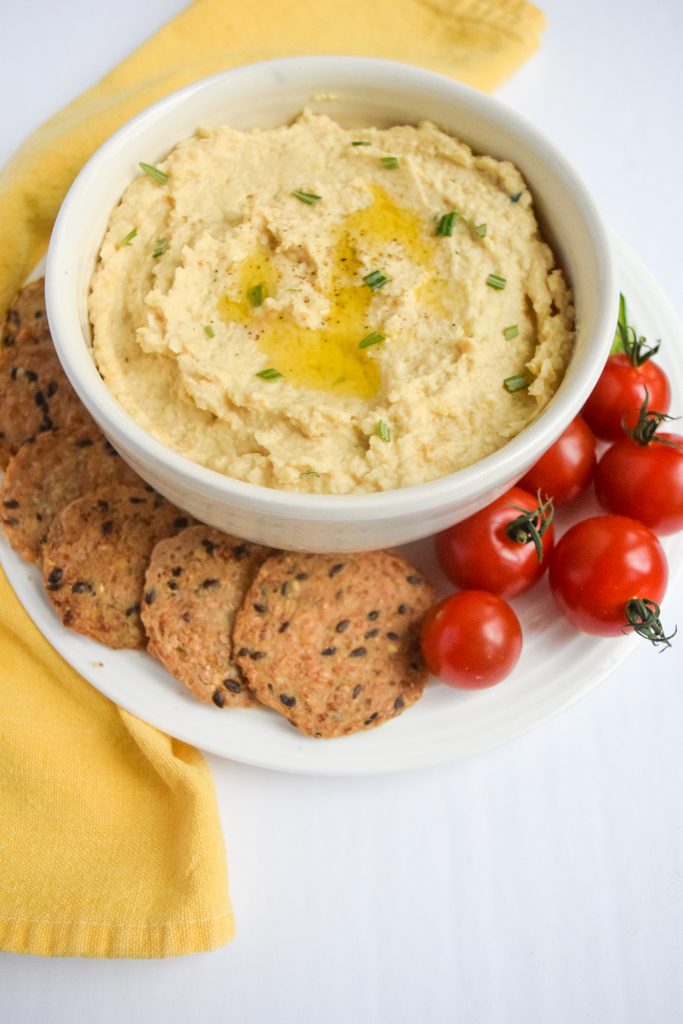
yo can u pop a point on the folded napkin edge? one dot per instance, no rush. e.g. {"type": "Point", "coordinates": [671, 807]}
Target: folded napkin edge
{"type": "Point", "coordinates": [110, 940]}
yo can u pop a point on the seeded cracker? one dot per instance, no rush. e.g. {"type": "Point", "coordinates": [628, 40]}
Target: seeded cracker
{"type": "Point", "coordinates": [95, 557]}
{"type": "Point", "coordinates": [46, 474]}
{"type": "Point", "coordinates": [27, 310]}
{"type": "Point", "coordinates": [194, 585]}
{"type": "Point", "coordinates": [332, 641]}
{"type": "Point", "coordinates": [35, 395]}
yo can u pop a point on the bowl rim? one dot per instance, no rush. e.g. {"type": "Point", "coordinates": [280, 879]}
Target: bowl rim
{"type": "Point", "coordinates": [460, 485]}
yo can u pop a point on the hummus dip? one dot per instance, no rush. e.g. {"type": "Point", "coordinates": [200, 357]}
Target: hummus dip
{"type": "Point", "coordinates": [316, 309]}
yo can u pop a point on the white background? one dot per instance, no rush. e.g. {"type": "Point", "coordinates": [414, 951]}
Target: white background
{"type": "Point", "coordinates": [539, 883]}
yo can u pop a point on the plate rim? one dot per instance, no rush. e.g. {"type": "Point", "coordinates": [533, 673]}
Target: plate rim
{"type": "Point", "coordinates": [81, 654]}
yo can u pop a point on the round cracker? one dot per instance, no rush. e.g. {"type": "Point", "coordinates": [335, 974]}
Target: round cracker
{"type": "Point", "coordinates": [198, 580]}
{"type": "Point", "coordinates": [332, 641]}
{"type": "Point", "coordinates": [35, 394]}
{"type": "Point", "coordinates": [95, 557]}
{"type": "Point", "coordinates": [46, 474]}
{"type": "Point", "coordinates": [27, 310]}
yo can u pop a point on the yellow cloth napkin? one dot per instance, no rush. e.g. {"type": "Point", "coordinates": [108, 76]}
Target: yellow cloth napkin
{"type": "Point", "coordinates": [110, 842]}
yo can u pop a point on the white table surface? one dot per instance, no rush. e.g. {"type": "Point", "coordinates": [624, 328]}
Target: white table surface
{"type": "Point", "coordinates": [539, 883]}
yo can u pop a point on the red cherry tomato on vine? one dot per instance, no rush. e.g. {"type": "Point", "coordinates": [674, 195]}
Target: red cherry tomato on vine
{"type": "Point", "coordinates": [566, 469]}
{"type": "Point", "coordinates": [644, 481]}
{"type": "Point", "coordinates": [492, 550]}
{"type": "Point", "coordinates": [599, 566]}
{"type": "Point", "coordinates": [471, 640]}
{"type": "Point", "coordinates": [619, 394]}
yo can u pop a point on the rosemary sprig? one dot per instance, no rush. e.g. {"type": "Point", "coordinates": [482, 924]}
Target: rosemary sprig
{"type": "Point", "coordinates": [375, 279]}
{"type": "Point", "coordinates": [257, 294]}
{"type": "Point", "coordinates": [444, 229]}
{"type": "Point", "coordinates": [516, 383]}
{"type": "Point", "coordinates": [270, 373]}
{"type": "Point", "coordinates": [154, 173]}
{"type": "Point", "coordinates": [384, 430]}
{"type": "Point", "coordinates": [375, 338]}
{"type": "Point", "coordinates": [160, 247]}
{"type": "Point", "coordinates": [496, 281]}
{"type": "Point", "coordinates": [307, 197]}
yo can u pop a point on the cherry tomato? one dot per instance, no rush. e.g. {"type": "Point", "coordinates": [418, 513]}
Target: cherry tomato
{"type": "Point", "coordinates": [566, 469]}
{"type": "Point", "coordinates": [471, 639]}
{"type": "Point", "coordinates": [644, 481]}
{"type": "Point", "coordinates": [619, 394]}
{"type": "Point", "coordinates": [480, 554]}
{"type": "Point", "coordinates": [602, 563]}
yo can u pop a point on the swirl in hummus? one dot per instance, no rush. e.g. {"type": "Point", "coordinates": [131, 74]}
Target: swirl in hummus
{"type": "Point", "coordinates": [319, 309]}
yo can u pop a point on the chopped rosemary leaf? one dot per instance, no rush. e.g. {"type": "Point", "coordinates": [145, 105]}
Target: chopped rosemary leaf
{"type": "Point", "coordinates": [270, 374]}
{"type": "Point", "coordinates": [510, 332]}
{"type": "Point", "coordinates": [375, 279]}
{"type": "Point", "coordinates": [209, 331]}
{"type": "Point", "coordinates": [307, 197]}
{"type": "Point", "coordinates": [383, 431]}
{"type": "Point", "coordinates": [160, 247]}
{"type": "Point", "coordinates": [371, 339]}
{"type": "Point", "coordinates": [444, 228]}
{"type": "Point", "coordinates": [389, 161]}
{"type": "Point", "coordinates": [129, 238]}
{"type": "Point", "coordinates": [496, 281]}
{"type": "Point", "coordinates": [361, 142]}
{"type": "Point", "coordinates": [516, 383]}
{"type": "Point", "coordinates": [481, 230]}
{"type": "Point", "coordinates": [257, 294]}
{"type": "Point", "coordinates": [159, 176]}
{"type": "Point", "coordinates": [309, 472]}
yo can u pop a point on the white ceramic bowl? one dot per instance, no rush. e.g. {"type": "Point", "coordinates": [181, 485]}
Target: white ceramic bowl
{"type": "Point", "coordinates": [355, 91]}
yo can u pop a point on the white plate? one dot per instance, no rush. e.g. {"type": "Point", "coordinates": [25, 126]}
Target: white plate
{"type": "Point", "coordinates": [558, 665]}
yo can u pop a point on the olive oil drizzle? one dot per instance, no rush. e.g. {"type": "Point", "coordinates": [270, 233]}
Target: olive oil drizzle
{"type": "Point", "coordinates": [328, 357]}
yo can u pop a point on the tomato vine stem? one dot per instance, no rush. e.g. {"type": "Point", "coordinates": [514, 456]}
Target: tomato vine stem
{"type": "Point", "coordinates": [637, 350]}
{"type": "Point", "coordinates": [532, 524]}
{"type": "Point", "coordinates": [642, 616]}
{"type": "Point", "coordinates": [649, 422]}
